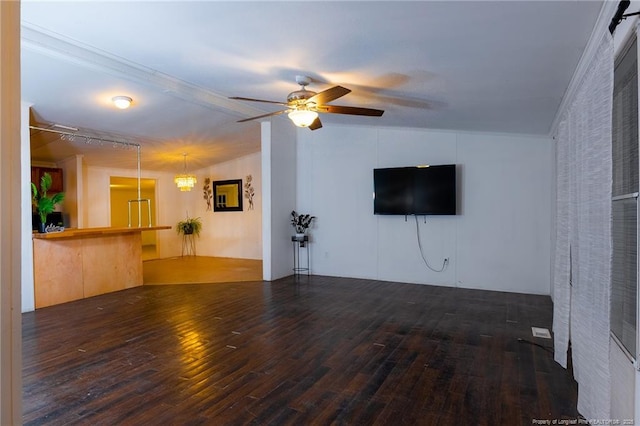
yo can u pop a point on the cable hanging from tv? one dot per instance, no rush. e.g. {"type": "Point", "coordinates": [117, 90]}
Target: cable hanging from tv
{"type": "Point", "coordinates": [445, 262]}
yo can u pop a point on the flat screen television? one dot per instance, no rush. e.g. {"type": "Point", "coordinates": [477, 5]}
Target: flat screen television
{"type": "Point", "coordinates": [425, 190]}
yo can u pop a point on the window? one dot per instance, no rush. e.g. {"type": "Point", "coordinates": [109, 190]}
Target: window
{"type": "Point", "coordinates": [624, 279]}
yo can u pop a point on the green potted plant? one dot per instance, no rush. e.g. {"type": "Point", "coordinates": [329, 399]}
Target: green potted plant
{"type": "Point", "coordinates": [189, 226]}
{"type": "Point", "coordinates": [301, 222]}
{"type": "Point", "coordinates": [43, 203]}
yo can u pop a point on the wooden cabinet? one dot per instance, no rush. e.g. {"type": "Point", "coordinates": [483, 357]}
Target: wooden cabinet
{"type": "Point", "coordinates": [56, 178]}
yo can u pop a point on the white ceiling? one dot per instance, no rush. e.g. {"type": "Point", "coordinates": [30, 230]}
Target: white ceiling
{"type": "Point", "coordinates": [499, 66]}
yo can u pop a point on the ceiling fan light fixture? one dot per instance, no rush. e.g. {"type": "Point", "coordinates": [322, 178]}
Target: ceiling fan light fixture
{"type": "Point", "coordinates": [302, 106]}
{"type": "Point", "coordinates": [303, 117]}
{"type": "Point", "coordinates": [122, 102]}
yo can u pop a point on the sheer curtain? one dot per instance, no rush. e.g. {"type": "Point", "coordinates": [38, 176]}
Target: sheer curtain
{"type": "Point", "coordinates": [582, 273]}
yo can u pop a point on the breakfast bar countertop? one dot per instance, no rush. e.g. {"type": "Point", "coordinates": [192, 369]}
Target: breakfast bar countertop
{"type": "Point", "coordinates": [91, 232]}
{"type": "Point", "coordinates": [79, 263]}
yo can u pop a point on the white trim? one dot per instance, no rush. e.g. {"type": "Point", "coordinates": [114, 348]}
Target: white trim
{"type": "Point", "coordinates": [28, 303]}
{"type": "Point", "coordinates": [267, 244]}
{"type": "Point", "coordinates": [625, 197]}
{"type": "Point", "coordinates": [624, 350]}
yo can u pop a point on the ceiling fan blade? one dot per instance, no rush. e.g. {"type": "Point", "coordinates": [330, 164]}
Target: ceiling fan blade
{"type": "Point", "coordinates": [337, 109]}
{"type": "Point", "coordinates": [317, 124]}
{"type": "Point", "coordinates": [239, 98]}
{"type": "Point", "coordinates": [328, 95]}
{"type": "Point", "coordinates": [263, 116]}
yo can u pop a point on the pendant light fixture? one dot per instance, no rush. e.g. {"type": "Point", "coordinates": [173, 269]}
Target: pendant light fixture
{"type": "Point", "coordinates": [185, 181]}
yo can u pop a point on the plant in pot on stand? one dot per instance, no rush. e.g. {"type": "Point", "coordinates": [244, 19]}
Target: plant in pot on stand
{"type": "Point", "coordinates": [301, 222]}
{"type": "Point", "coordinates": [189, 228]}
{"type": "Point", "coordinates": [43, 203]}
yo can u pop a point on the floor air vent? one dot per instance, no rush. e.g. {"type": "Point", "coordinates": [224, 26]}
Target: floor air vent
{"type": "Point", "coordinates": [541, 332]}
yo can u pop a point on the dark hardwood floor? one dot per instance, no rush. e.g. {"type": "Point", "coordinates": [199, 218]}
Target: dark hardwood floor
{"type": "Point", "coordinates": [319, 350]}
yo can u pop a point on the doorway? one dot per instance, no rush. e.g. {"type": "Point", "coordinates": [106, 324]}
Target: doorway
{"type": "Point", "coordinates": [128, 209]}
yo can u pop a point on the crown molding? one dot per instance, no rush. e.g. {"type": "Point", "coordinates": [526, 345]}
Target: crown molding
{"type": "Point", "coordinates": [37, 39]}
{"type": "Point", "coordinates": [601, 29]}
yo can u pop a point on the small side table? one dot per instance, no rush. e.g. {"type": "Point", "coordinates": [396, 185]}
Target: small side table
{"type": "Point", "coordinates": [188, 245]}
{"type": "Point", "coordinates": [300, 242]}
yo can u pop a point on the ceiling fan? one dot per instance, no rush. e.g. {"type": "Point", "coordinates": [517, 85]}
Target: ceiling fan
{"type": "Point", "coordinates": [304, 105]}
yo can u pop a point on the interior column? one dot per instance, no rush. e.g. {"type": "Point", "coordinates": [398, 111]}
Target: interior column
{"type": "Point", "coordinates": [10, 218]}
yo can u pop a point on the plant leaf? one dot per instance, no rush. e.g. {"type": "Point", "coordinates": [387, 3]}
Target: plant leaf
{"type": "Point", "coordinates": [45, 183]}
{"type": "Point", "coordinates": [34, 193]}
{"type": "Point", "coordinates": [45, 205]}
{"type": "Point", "coordinates": [57, 198]}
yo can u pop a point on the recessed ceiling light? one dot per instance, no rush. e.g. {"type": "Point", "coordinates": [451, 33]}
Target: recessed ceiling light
{"type": "Point", "coordinates": [121, 102]}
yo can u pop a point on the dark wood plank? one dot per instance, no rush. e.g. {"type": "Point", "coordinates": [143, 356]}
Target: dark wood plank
{"type": "Point", "coordinates": [317, 350]}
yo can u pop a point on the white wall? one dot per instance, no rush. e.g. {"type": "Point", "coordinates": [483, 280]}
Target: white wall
{"type": "Point", "coordinates": [71, 173]}
{"type": "Point", "coordinates": [27, 288]}
{"type": "Point", "coordinates": [225, 234]}
{"type": "Point", "coordinates": [278, 196]}
{"type": "Point", "coordinates": [171, 204]}
{"type": "Point", "coordinates": [623, 380]}
{"type": "Point", "coordinates": [499, 241]}
{"type": "Point", "coordinates": [231, 234]}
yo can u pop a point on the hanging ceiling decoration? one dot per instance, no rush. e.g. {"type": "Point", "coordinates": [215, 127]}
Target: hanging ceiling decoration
{"type": "Point", "coordinates": [185, 181]}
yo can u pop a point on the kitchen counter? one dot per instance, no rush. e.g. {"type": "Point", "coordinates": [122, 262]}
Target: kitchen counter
{"type": "Point", "coordinates": [92, 232]}
{"type": "Point", "coordinates": [79, 263]}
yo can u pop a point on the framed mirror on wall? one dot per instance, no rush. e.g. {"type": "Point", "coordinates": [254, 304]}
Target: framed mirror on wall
{"type": "Point", "coordinates": [227, 195]}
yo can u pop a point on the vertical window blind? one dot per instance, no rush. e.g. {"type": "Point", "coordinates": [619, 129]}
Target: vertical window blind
{"type": "Point", "coordinates": [582, 271]}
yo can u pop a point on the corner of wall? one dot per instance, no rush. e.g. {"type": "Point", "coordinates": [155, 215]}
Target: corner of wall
{"type": "Point", "coordinates": [27, 289]}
